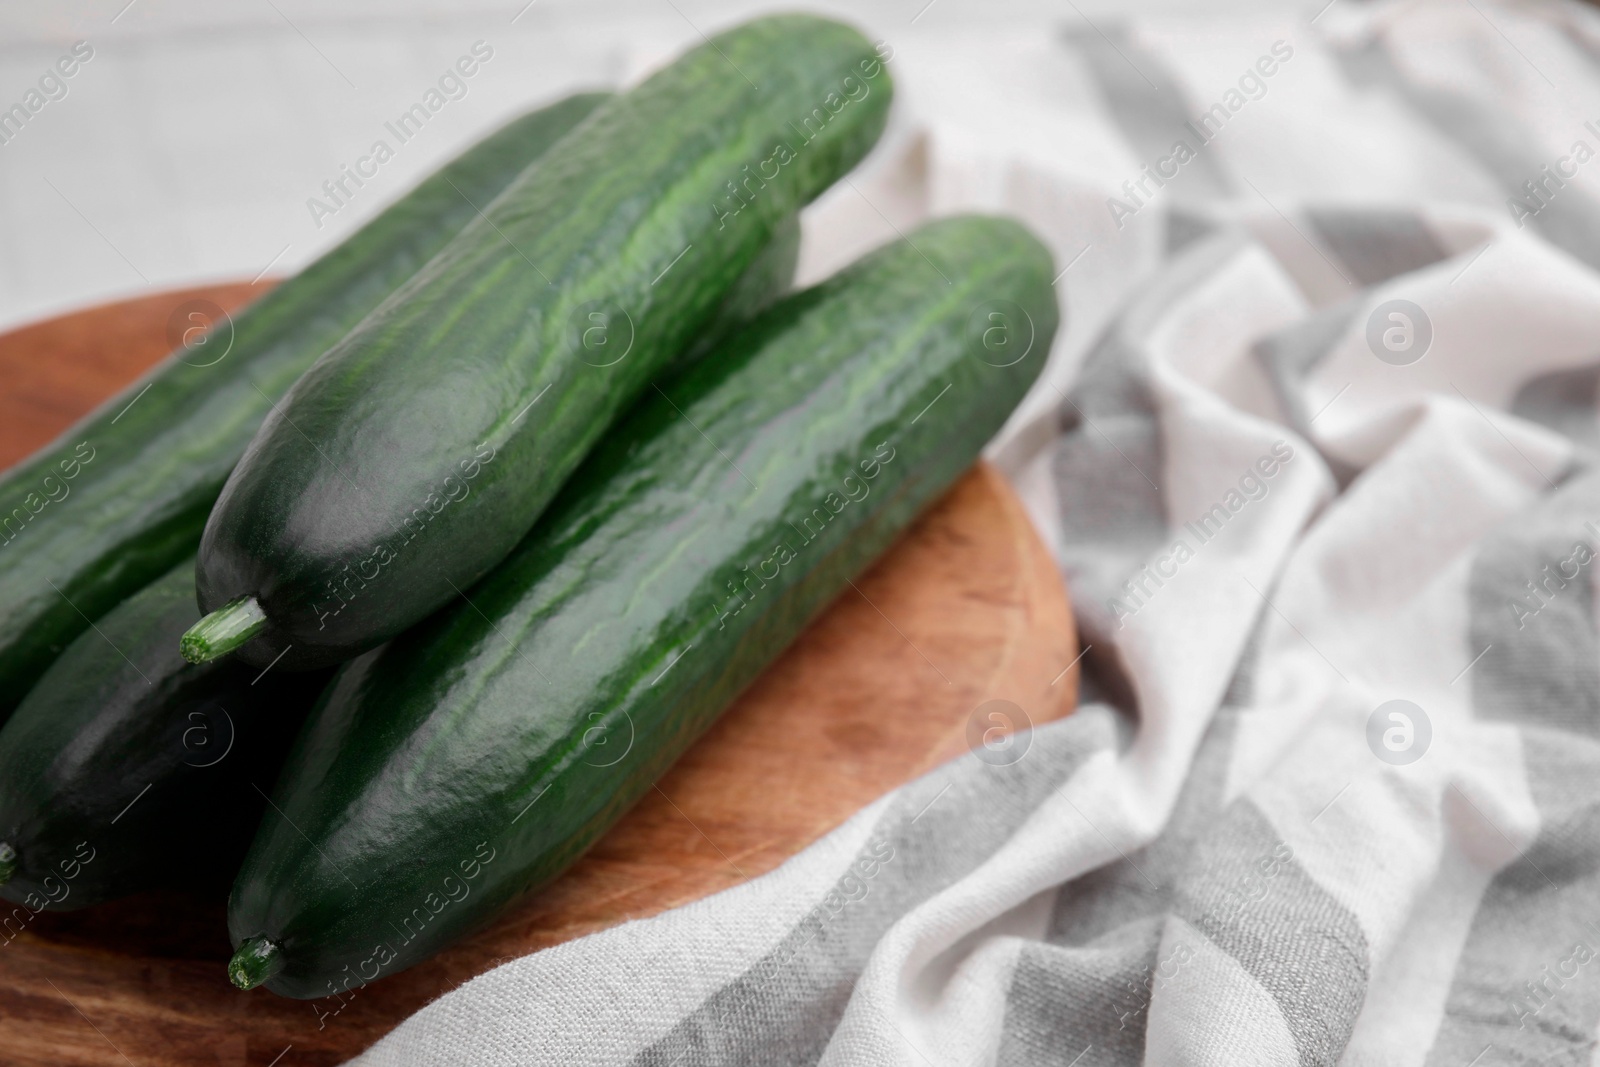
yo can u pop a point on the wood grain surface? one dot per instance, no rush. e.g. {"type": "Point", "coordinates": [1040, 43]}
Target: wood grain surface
{"type": "Point", "coordinates": [966, 608]}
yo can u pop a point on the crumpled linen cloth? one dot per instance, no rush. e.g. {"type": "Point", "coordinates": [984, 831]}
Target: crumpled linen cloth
{"type": "Point", "coordinates": [1317, 456]}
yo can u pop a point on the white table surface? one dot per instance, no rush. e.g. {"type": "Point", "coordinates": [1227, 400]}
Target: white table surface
{"type": "Point", "coordinates": [185, 150]}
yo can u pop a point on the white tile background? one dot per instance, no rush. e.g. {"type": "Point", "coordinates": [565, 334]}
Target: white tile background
{"type": "Point", "coordinates": [186, 148]}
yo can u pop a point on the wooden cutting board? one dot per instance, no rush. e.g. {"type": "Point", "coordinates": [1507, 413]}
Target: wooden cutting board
{"type": "Point", "coordinates": [967, 608]}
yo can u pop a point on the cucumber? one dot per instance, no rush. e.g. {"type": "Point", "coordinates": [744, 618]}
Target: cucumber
{"type": "Point", "coordinates": [122, 496]}
{"type": "Point", "coordinates": [127, 768]}
{"type": "Point", "coordinates": [474, 758]}
{"type": "Point", "coordinates": [417, 452]}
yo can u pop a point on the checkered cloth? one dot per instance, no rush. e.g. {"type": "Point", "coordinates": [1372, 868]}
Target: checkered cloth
{"type": "Point", "coordinates": [1317, 457]}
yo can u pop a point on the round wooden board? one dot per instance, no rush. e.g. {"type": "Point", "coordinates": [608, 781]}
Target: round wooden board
{"type": "Point", "coordinates": [967, 607]}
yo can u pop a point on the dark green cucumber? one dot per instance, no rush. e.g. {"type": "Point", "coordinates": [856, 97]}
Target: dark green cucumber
{"type": "Point", "coordinates": [478, 755]}
{"type": "Point", "coordinates": [127, 768]}
{"type": "Point", "coordinates": [417, 452]}
{"type": "Point", "coordinates": [123, 495]}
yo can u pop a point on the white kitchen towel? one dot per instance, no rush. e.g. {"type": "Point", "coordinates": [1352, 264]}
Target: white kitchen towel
{"type": "Point", "coordinates": [1318, 457]}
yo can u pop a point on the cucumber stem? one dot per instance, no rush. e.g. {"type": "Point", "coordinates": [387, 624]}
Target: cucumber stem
{"type": "Point", "coordinates": [256, 961]}
{"type": "Point", "coordinates": [8, 862]}
{"type": "Point", "coordinates": [223, 630]}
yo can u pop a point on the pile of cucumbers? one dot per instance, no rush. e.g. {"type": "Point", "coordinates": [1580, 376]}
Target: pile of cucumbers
{"type": "Point", "coordinates": [485, 516]}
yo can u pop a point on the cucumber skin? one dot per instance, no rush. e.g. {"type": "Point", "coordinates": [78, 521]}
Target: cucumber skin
{"type": "Point", "coordinates": [139, 505]}
{"type": "Point", "coordinates": [414, 776]}
{"type": "Point", "coordinates": [422, 415]}
{"type": "Point", "coordinates": [769, 277]}
{"type": "Point", "coordinates": [76, 758]}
